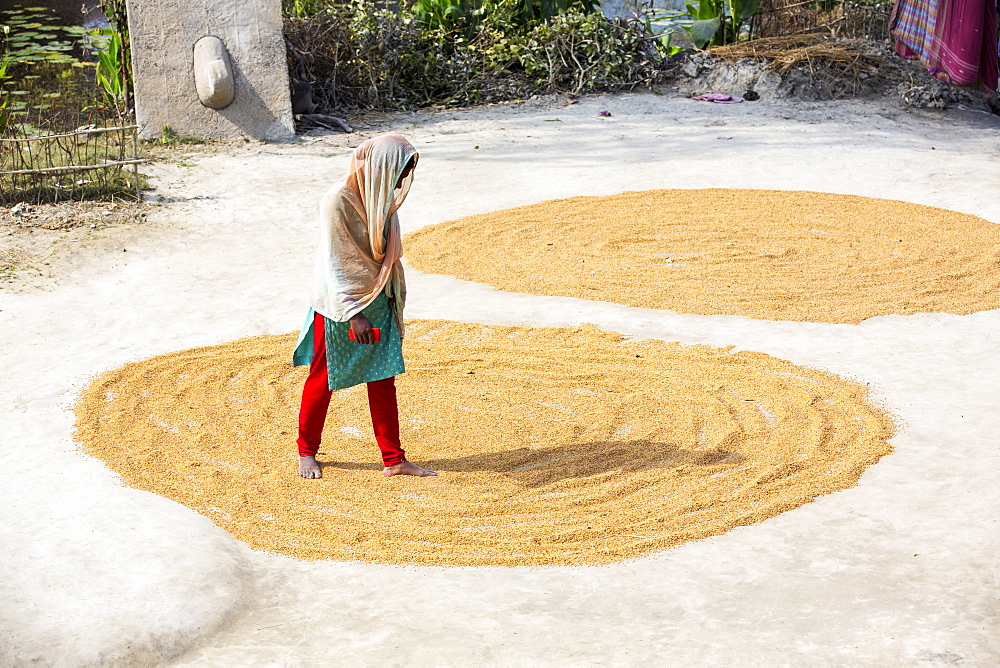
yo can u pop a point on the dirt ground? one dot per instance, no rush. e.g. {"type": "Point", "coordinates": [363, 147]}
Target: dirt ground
{"type": "Point", "coordinates": [32, 237]}
{"type": "Point", "coordinates": [899, 570]}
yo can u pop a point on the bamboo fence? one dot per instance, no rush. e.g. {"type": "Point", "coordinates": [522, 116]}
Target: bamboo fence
{"type": "Point", "coordinates": [854, 19]}
{"type": "Point", "coordinates": [87, 163]}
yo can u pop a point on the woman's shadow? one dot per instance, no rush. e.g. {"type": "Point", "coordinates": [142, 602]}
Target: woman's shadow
{"type": "Point", "coordinates": [537, 467]}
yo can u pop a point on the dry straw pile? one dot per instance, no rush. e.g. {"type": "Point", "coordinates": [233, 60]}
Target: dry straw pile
{"type": "Point", "coordinates": [774, 255]}
{"type": "Point", "coordinates": [809, 50]}
{"type": "Point", "coordinates": [555, 446]}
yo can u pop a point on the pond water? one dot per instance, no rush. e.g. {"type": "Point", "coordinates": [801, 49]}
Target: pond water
{"type": "Point", "coordinates": [51, 61]}
{"type": "Point", "coordinates": [85, 13]}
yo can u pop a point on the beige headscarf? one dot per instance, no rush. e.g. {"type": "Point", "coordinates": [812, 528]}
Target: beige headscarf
{"type": "Point", "coordinates": [360, 242]}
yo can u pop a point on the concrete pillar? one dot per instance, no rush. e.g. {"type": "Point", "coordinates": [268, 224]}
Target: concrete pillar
{"type": "Point", "coordinates": [168, 92]}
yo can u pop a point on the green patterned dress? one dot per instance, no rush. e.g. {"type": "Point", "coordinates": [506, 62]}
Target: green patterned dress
{"type": "Point", "coordinates": [349, 363]}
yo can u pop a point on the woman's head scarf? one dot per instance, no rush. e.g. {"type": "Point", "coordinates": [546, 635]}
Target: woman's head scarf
{"type": "Point", "coordinates": [360, 241]}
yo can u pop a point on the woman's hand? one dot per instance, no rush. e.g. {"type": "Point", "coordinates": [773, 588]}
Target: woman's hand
{"type": "Point", "coordinates": [362, 328]}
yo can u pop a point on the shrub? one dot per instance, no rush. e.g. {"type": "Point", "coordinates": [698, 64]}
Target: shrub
{"type": "Point", "coordinates": [362, 56]}
{"type": "Point", "coordinates": [578, 52]}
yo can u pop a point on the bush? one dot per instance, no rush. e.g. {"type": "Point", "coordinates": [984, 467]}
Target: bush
{"type": "Point", "coordinates": [362, 56]}
{"type": "Point", "coordinates": [577, 52]}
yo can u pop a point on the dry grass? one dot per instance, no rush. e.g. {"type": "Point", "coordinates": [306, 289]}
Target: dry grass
{"type": "Point", "coordinates": [808, 51]}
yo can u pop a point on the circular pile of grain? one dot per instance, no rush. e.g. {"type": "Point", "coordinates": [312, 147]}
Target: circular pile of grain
{"type": "Point", "coordinates": [764, 254]}
{"type": "Point", "coordinates": [555, 446]}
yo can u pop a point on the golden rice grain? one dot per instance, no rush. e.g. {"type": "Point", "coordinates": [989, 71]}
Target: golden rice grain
{"type": "Point", "coordinates": [555, 446]}
{"type": "Point", "coordinates": [764, 254]}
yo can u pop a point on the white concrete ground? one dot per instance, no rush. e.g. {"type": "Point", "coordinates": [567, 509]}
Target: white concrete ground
{"type": "Point", "coordinates": [898, 571]}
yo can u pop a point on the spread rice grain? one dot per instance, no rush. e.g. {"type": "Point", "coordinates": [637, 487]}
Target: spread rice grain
{"type": "Point", "coordinates": [773, 255]}
{"type": "Point", "coordinates": [555, 445]}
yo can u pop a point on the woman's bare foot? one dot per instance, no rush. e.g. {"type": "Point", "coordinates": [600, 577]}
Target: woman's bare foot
{"type": "Point", "coordinates": [406, 468]}
{"type": "Point", "coordinates": [309, 467]}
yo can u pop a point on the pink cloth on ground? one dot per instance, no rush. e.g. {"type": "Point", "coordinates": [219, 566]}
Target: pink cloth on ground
{"type": "Point", "coordinates": [718, 98]}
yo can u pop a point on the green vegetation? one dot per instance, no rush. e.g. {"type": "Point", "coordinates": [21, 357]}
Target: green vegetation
{"type": "Point", "coordinates": [719, 22]}
{"type": "Point", "coordinates": [44, 68]}
{"type": "Point", "coordinates": [4, 78]}
{"type": "Point", "coordinates": [32, 38]}
{"type": "Point", "coordinates": [171, 138]}
{"type": "Point", "coordinates": [114, 69]}
{"type": "Point", "coordinates": [55, 80]}
{"type": "Point", "coordinates": [51, 73]}
{"type": "Point", "coordinates": [363, 56]}
{"type": "Point", "coordinates": [112, 73]}
{"type": "Point", "coordinates": [465, 16]}
{"type": "Point", "coordinates": [301, 8]}
{"type": "Point", "coordinates": [45, 164]}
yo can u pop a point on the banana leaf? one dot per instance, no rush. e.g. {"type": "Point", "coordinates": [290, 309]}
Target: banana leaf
{"type": "Point", "coordinates": [703, 31]}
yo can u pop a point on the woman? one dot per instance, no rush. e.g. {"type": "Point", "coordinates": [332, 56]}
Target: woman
{"type": "Point", "coordinates": [358, 286]}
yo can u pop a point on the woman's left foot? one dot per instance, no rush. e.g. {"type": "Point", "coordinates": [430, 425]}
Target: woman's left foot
{"type": "Point", "coordinates": [406, 468]}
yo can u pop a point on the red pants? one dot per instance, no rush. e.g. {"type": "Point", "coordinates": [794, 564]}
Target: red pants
{"type": "Point", "coordinates": [316, 399]}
